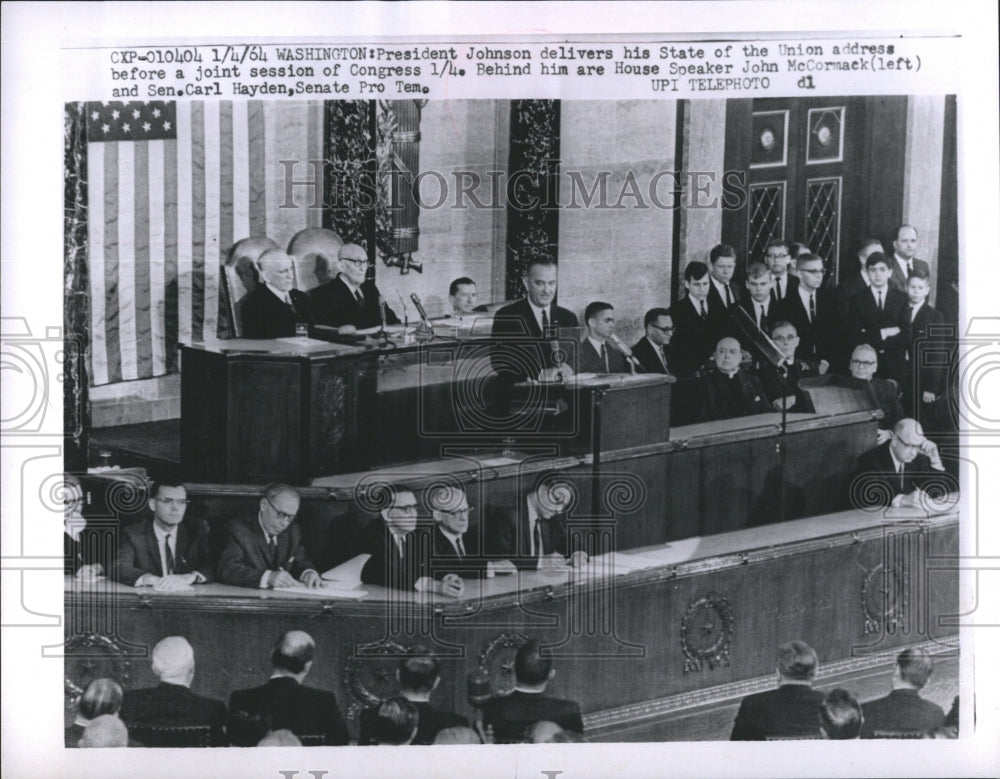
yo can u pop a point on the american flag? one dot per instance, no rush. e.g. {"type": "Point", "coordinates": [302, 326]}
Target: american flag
{"type": "Point", "coordinates": [171, 186]}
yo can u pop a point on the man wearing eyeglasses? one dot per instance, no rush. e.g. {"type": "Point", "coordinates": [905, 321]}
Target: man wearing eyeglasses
{"type": "Point", "coordinates": [897, 472]}
{"type": "Point", "coordinates": [351, 301]}
{"type": "Point", "coordinates": [653, 349]}
{"type": "Point", "coordinates": [778, 259]}
{"type": "Point", "coordinates": [864, 363]}
{"type": "Point", "coordinates": [164, 552]}
{"type": "Point", "coordinates": [815, 313]}
{"type": "Point", "coordinates": [266, 551]}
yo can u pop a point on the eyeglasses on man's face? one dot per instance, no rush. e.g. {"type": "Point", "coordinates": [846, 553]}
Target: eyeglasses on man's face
{"type": "Point", "coordinates": [177, 501]}
{"type": "Point", "coordinates": [665, 330]}
{"type": "Point", "coordinates": [863, 363]}
{"type": "Point", "coordinates": [282, 515]}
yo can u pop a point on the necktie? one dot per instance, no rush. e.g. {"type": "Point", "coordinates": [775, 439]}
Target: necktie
{"type": "Point", "coordinates": [663, 357]}
{"type": "Point", "coordinates": [913, 313]}
{"type": "Point", "coordinates": [169, 555]}
{"type": "Point", "coordinates": [781, 291]}
{"type": "Point", "coordinates": [760, 316]}
{"type": "Point", "coordinates": [537, 535]}
{"type": "Point", "coordinates": [288, 299]}
{"type": "Point", "coordinates": [812, 307]}
{"type": "Point", "coordinates": [545, 323]}
{"type": "Point", "coordinates": [460, 546]}
{"type": "Point", "coordinates": [880, 300]}
{"type": "Point", "coordinates": [902, 476]}
{"type": "Point", "coordinates": [704, 313]}
{"type": "Point", "coordinates": [604, 358]}
{"type": "Point", "coordinates": [359, 298]}
{"type": "Point", "coordinates": [272, 541]}
{"type": "Point", "coordinates": [729, 297]}
{"type": "Point", "coordinates": [908, 269]}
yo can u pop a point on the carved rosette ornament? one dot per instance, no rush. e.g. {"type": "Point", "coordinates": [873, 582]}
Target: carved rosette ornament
{"type": "Point", "coordinates": [706, 630]}
{"type": "Point", "coordinates": [883, 598]}
{"type": "Point", "coordinates": [370, 674]}
{"type": "Point", "coordinates": [498, 661]}
{"type": "Point", "coordinates": [90, 656]}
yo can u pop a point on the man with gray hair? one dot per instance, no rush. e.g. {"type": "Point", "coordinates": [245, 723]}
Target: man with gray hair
{"type": "Point", "coordinates": [105, 731]}
{"type": "Point", "coordinates": [274, 309]}
{"type": "Point", "coordinates": [171, 703]}
{"type": "Point", "coordinates": [351, 301]}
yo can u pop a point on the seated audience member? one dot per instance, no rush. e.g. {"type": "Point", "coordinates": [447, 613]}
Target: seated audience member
{"type": "Point", "coordinates": [286, 702]}
{"type": "Point", "coordinates": [81, 545]}
{"type": "Point", "coordinates": [453, 736]}
{"type": "Point", "coordinates": [462, 295]}
{"type": "Point", "coordinates": [533, 533]}
{"type": "Point", "coordinates": [596, 352]}
{"type": "Point", "coordinates": [816, 313]}
{"type": "Point", "coordinates": [864, 363]}
{"type": "Point", "coordinates": [280, 738]}
{"type": "Point", "coordinates": [653, 349]}
{"type": "Point", "coordinates": [782, 383]}
{"type": "Point", "coordinates": [395, 722]}
{"type": "Point", "coordinates": [790, 710]}
{"type": "Point", "coordinates": [903, 709]}
{"type": "Point", "coordinates": [104, 731]}
{"type": "Point", "coordinates": [163, 551]}
{"type": "Point", "coordinates": [543, 732]}
{"type": "Point", "coordinates": [102, 696]}
{"type": "Point", "coordinates": [778, 261]}
{"type": "Point", "coordinates": [274, 308]}
{"type": "Point", "coordinates": [950, 727]}
{"type": "Point", "coordinates": [266, 551]}
{"type": "Point", "coordinates": [923, 380]}
{"type": "Point", "coordinates": [455, 548]}
{"type": "Point", "coordinates": [859, 282]}
{"type": "Point", "coordinates": [722, 294]}
{"type": "Point", "coordinates": [697, 328]}
{"type": "Point", "coordinates": [840, 716]}
{"type": "Point", "coordinates": [510, 716]}
{"type": "Point", "coordinates": [396, 560]}
{"type": "Point", "coordinates": [876, 316]}
{"type": "Point", "coordinates": [351, 301]}
{"type": "Point", "coordinates": [757, 304]}
{"type": "Point", "coordinates": [418, 677]}
{"type": "Point", "coordinates": [727, 390]}
{"type": "Point", "coordinates": [171, 703]}
{"type": "Point", "coordinates": [893, 473]}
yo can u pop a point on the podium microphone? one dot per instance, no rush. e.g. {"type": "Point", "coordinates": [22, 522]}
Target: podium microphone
{"type": "Point", "coordinates": [621, 347]}
{"type": "Point", "coordinates": [419, 306]}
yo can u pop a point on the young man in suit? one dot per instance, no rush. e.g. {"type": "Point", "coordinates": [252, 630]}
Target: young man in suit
{"type": "Point", "coordinates": [924, 379]}
{"type": "Point", "coordinates": [171, 703]}
{"type": "Point", "coordinates": [274, 308]}
{"type": "Point", "coordinates": [351, 301]}
{"type": "Point", "coordinates": [285, 702]}
{"type": "Point", "coordinates": [698, 328]}
{"type": "Point", "coordinates": [728, 391]}
{"type": "Point", "coordinates": [597, 355]}
{"type": "Point", "coordinates": [523, 330]}
{"type": "Point", "coordinates": [815, 313]}
{"type": "Point", "coordinates": [905, 261]}
{"type": "Point", "coordinates": [790, 710]}
{"type": "Point", "coordinates": [778, 261]}
{"type": "Point", "coordinates": [164, 552]}
{"type": "Point", "coordinates": [512, 715]}
{"type": "Point", "coordinates": [723, 293]}
{"type": "Point", "coordinates": [266, 551]}
{"type": "Point", "coordinates": [895, 472]}
{"type": "Point", "coordinates": [903, 709]}
{"type": "Point", "coordinates": [653, 349]}
{"type": "Point", "coordinates": [876, 317]}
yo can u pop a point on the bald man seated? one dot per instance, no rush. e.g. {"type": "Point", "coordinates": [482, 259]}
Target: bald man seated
{"type": "Point", "coordinates": [897, 472]}
{"type": "Point", "coordinates": [350, 302]}
{"type": "Point", "coordinates": [274, 309]}
{"type": "Point", "coordinates": [171, 703]}
{"type": "Point", "coordinates": [285, 702]}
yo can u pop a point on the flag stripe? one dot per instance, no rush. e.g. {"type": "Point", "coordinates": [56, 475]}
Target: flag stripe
{"type": "Point", "coordinates": [95, 250]}
{"type": "Point", "coordinates": [126, 261]}
{"type": "Point", "coordinates": [258, 187]}
{"type": "Point", "coordinates": [314, 216]}
{"type": "Point", "coordinates": [112, 310]}
{"type": "Point", "coordinates": [141, 257]}
{"type": "Point", "coordinates": [226, 189]}
{"type": "Point", "coordinates": [170, 278]}
{"type": "Point", "coordinates": [212, 219]}
{"type": "Point", "coordinates": [241, 172]}
{"type": "Point", "coordinates": [157, 253]}
{"type": "Point", "coordinates": [197, 221]}
{"type": "Point", "coordinates": [185, 227]}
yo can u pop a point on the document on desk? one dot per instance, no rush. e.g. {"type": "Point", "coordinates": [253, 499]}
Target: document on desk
{"type": "Point", "coordinates": [325, 590]}
{"type": "Point", "coordinates": [347, 575]}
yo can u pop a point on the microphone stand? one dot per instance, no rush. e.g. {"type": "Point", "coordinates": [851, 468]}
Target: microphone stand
{"type": "Point", "coordinates": [383, 336]}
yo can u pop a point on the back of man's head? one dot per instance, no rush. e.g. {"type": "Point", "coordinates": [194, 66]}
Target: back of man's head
{"type": "Point", "coordinates": [419, 672]}
{"type": "Point", "coordinates": [102, 696]}
{"type": "Point", "coordinates": [293, 651]}
{"type": "Point", "coordinates": [543, 732]}
{"type": "Point", "coordinates": [457, 735]}
{"type": "Point", "coordinates": [105, 731]}
{"type": "Point", "coordinates": [530, 667]}
{"type": "Point", "coordinates": [173, 661]}
{"type": "Point", "coordinates": [797, 661]}
{"type": "Point", "coordinates": [915, 667]}
{"type": "Point", "coordinates": [840, 715]}
{"type": "Point", "coordinates": [395, 722]}
{"type": "Point", "coordinates": [280, 738]}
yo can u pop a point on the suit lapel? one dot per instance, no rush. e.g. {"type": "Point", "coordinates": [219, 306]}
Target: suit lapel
{"type": "Point", "coordinates": [529, 315]}
{"type": "Point", "coordinates": [149, 539]}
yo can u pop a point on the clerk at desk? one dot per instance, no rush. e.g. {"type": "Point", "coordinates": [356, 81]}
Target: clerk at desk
{"type": "Point", "coordinates": [351, 301]}
{"type": "Point", "coordinates": [266, 550]}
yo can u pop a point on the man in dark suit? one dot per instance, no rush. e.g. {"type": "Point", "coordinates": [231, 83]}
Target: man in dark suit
{"type": "Point", "coordinates": [924, 379]}
{"type": "Point", "coordinates": [895, 473]}
{"type": "Point", "coordinates": [903, 709]}
{"type": "Point", "coordinates": [905, 262]}
{"type": "Point", "coordinates": [286, 702]}
{"type": "Point", "coordinates": [396, 558]}
{"type": "Point", "coordinates": [653, 349]}
{"type": "Point", "coordinates": [456, 547]}
{"type": "Point", "coordinates": [726, 390]}
{"type": "Point", "coordinates": [757, 304]}
{"type": "Point", "coordinates": [697, 327]}
{"type": "Point", "coordinates": [164, 552]}
{"type": "Point", "coordinates": [418, 674]}
{"type": "Point", "coordinates": [722, 293]}
{"type": "Point", "coordinates": [596, 352]}
{"type": "Point", "coordinates": [790, 710]}
{"type": "Point", "coordinates": [875, 316]}
{"type": "Point", "coordinates": [859, 282]}
{"type": "Point", "coordinates": [266, 551]}
{"type": "Point", "coordinates": [533, 534]}
{"type": "Point", "coordinates": [864, 363]}
{"type": "Point", "coordinates": [778, 261]}
{"type": "Point", "coordinates": [523, 330]}
{"type": "Point", "coordinates": [82, 547]}
{"type": "Point", "coordinates": [781, 384]}
{"type": "Point", "coordinates": [351, 301]}
{"type": "Point", "coordinates": [510, 716]}
{"type": "Point", "coordinates": [815, 312]}
{"type": "Point", "coordinates": [171, 703]}
{"type": "Point", "coordinates": [274, 309]}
